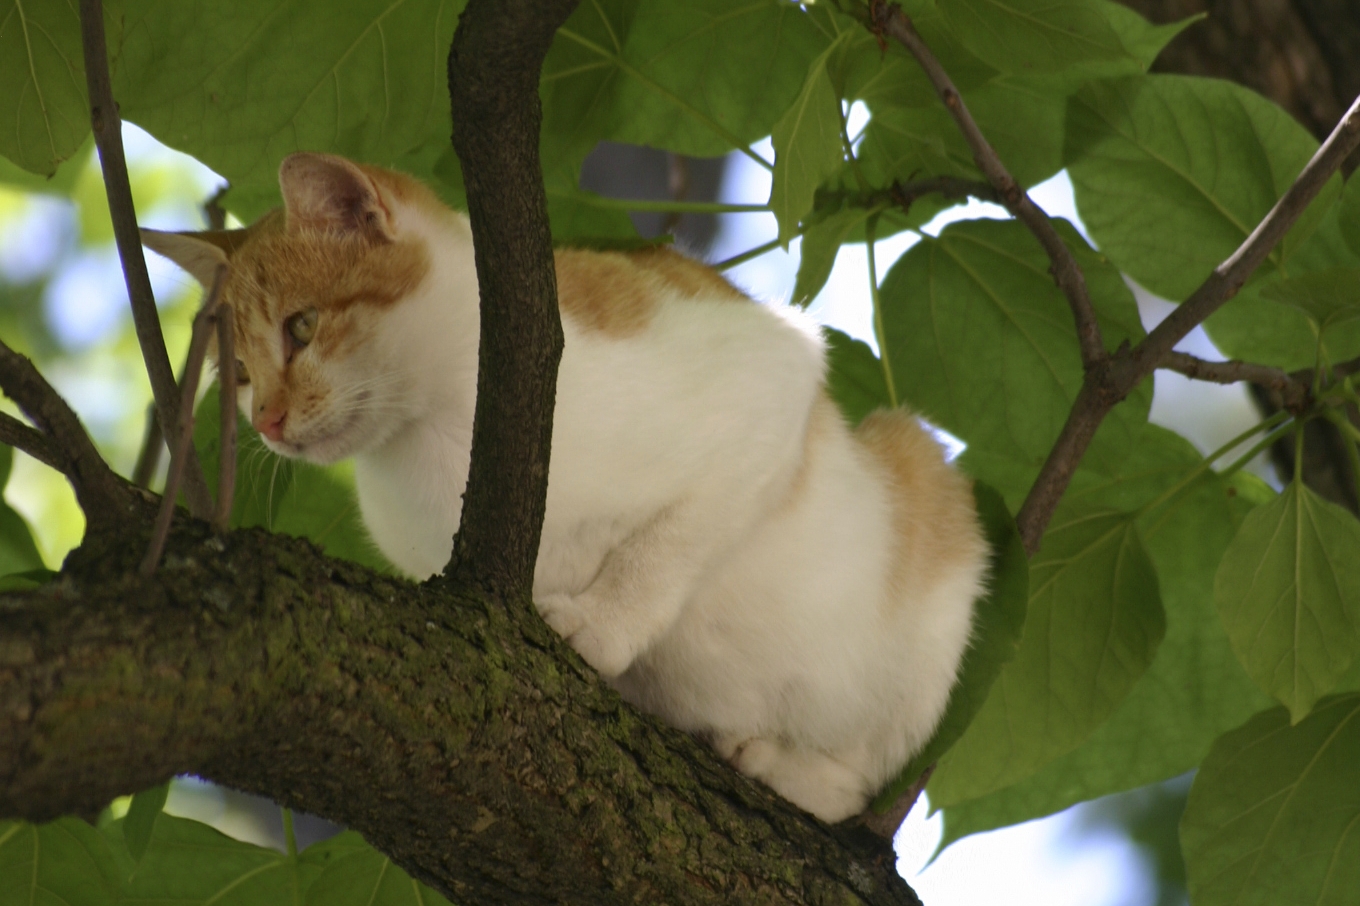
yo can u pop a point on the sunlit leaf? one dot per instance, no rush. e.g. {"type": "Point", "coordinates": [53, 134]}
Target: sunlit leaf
{"type": "Point", "coordinates": [1329, 298]}
{"type": "Point", "coordinates": [1274, 813]}
{"type": "Point", "coordinates": [366, 877]}
{"type": "Point", "coordinates": [1034, 35]}
{"type": "Point", "coordinates": [1095, 620]}
{"type": "Point", "coordinates": [1288, 590]}
{"type": "Point", "coordinates": [817, 254]}
{"type": "Point", "coordinates": [1172, 173]}
{"type": "Point", "coordinates": [42, 69]}
{"type": "Point", "coordinates": [808, 148]}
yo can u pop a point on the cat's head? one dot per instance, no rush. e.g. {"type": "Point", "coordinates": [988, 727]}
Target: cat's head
{"type": "Point", "coordinates": [309, 286]}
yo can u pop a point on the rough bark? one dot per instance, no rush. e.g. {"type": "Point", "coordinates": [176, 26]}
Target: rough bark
{"type": "Point", "coordinates": [469, 743]}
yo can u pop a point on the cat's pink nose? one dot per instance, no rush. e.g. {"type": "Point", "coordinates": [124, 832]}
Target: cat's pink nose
{"type": "Point", "coordinates": [269, 422]}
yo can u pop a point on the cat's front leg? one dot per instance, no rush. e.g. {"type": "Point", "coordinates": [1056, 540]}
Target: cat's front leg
{"type": "Point", "coordinates": [639, 590]}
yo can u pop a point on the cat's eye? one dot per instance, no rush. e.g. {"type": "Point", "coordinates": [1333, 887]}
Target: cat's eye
{"type": "Point", "coordinates": [242, 376]}
{"type": "Point", "coordinates": [302, 327]}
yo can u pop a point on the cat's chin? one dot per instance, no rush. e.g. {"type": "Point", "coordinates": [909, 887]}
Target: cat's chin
{"type": "Point", "coordinates": [323, 448]}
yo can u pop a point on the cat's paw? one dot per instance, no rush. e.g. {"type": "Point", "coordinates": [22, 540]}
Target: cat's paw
{"type": "Point", "coordinates": [601, 648]}
{"type": "Point", "coordinates": [811, 780]}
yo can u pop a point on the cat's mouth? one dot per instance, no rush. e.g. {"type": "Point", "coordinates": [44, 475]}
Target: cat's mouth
{"type": "Point", "coordinates": [325, 444]}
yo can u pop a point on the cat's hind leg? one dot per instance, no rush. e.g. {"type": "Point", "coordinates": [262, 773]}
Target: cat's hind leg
{"type": "Point", "coordinates": [826, 785]}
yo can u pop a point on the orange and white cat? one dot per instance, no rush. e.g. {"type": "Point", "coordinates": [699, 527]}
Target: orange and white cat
{"type": "Point", "coordinates": [718, 544]}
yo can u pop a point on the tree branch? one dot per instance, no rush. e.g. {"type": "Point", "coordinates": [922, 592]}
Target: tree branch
{"type": "Point", "coordinates": [471, 742]}
{"type": "Point", "coordinates": [494, 64]}
{"type": "Point", "coordinates": [108, 136]}
{"type": "Point", "coordinates": [65, 446]}
{"type": "Point", "coordinates": [20, 436]}
{"type": "Point", "coordinates": [1294, 391]}
{"type": "Point", "coordinates": [887, 18]}
{"type": "Point", "coordinates": [1109, 383]}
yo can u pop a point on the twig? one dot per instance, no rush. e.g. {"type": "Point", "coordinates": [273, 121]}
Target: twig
{"type": "Point", "coordinates": [887, 18]}
{"type": "Point", "coordinates": [1111, 382]}
{"type": "Point", "coordinates": [149, 456]}
{"type": "Point", "coordinates": [108, 137]}
{"type": "Point", "coordinates": [66, 447]}
{"type": "Point", "coordinates": [33, 442]}
{"type": "Point", "coordinates": [886, 824]}
{"type": "Point", "coordinates": [226, 382]}
{"type": "Point", "coordinates": [180, 444]}
{"type": "Point", "coordinates": [1292, 390]}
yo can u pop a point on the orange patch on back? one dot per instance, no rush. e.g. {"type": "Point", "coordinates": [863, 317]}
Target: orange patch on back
{"type": "Point", "coordinates": [933, 515]}
{"type": "Point", "coordinates": [616, 293]}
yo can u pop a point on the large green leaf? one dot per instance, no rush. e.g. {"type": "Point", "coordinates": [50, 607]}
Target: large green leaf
{"type": "Point", "coordinates": [63, 863]}
{"type": "Point", "coordinates": [808, 148]}
{"type": "Point", "coordinates": [1172, 173]}
{"type": "Point", "coordinates": [699, 78]}
{"type": "Point", "coordinates": [1034, 35]}
{"type": "Point", "coordinates": [141, 818]}
{"type": "Point", "coordinates": [366, 877]}
{"type": "Point", "coordinates": [982, 344]}
{"type": "Point", "coordinates": [1274, 813]}
{"type": "Point", "coordinates": [287, 495]}
{"type": "Point", "coordinates": [42, 84]}
{"type": "Point", "coordinates": [1194, 690]}
{"type": "Point", "coordinates": [1288, 591]}
{"type": "Point", "coordinates": [997, 627]}
{"type": "Point", "coordinates": [1329, 298]}
{"type": "Point", "coordinates": [854, 376]}
{"type": "Point", "coordinates": [240, 85]}
{"type": "Point", "coordinates": [191, 864]}
{"type": "Point", "coordinates": [18, 552]}
{"type": "Point", "coordinates": [1095, 620]}
{"type": "Point", "coordinates": [821, 244]}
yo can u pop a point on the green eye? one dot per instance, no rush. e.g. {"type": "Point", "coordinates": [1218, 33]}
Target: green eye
{"type": "Point", "coordinates": [242, 376]}
{"type": "Point", "coordinates": [302, 327]}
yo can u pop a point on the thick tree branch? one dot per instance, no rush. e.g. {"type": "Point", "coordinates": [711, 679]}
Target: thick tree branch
{"type": "Point", "coordinates": [472, 744]}
{"type": "Point", "coordinates": [20, 436]}
{"type": "Point", "coordinates": [108, 137]}
{"type": "Point", "coordinates": [1109, 383]}
{"type": "Point", "coordinates": [887, 18]}
{"type": "Point", "coordinates": [66, 447]}
{"type": "Point", "coordinates": [494, 64]}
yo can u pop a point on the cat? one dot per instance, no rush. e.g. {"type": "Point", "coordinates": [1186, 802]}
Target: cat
{"type": "Point", "coordinates": [718, 544]}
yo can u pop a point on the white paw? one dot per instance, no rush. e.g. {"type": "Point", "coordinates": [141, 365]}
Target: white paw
{"type": "Point", "coordinates": [811, 780]}
{"type": "Point", "coordinates": [601, 648]}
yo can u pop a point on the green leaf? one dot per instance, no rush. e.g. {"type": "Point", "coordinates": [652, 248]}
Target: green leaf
{"type": "Point", "coordinates": [42, 83]}
{"type": "Point", "coordinates": [1141, 39]}
{"type": "Point", "coordinates": [808, 148]}
{"type": "Point", "coordinates": [1028, 36]}
{"type": "Point", "coordinates": [1348, 216]}
{"type": "Point", "coordinates": [981, 343]}
{"type": "Point", "coordinates": [63, 182]}
{"type": "Point", "coordinates": [822, 241]}
{"type": "Point", "coordinates": [1194, 690]}
{"type": "Point", "coordinates": [1095, 620]}
{"type": "Point", "coordinates": [366, 877]}
{"type": "Point", "coordinates": [285, 495]}
{"type": "Point", "coordinates": [1172, 173]}
{"type": "Point", "coordinates": [1274, 810]}
{"type": "Point", "coordinates": [698, 78]}
{"type": "Point", "coordinates": [240, 85]}
{"type": "Point", "coordinates": [18, 552]}
{"type": "Point", "coordinates": [854, 376]}
{"type": "Point", "coordinates": [1288, 591]}
{"type": "Point", "coordinates": [1328, 298]}
{"type": "Point", "coordinates": [62, 862]}
{"type": "Point", "coordinates": [141, 818]}
{"type": "Point", "coordinates": [997, 627]}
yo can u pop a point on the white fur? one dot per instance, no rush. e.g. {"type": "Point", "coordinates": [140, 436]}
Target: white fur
{"type": "Point", "coordinates": [675, 557]}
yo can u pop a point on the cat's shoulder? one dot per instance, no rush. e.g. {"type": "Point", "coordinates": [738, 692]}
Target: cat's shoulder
{"type": "Point", "coordinates": [618, 293]}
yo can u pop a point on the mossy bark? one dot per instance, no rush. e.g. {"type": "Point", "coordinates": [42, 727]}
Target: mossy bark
{"type": "Point", "coordinates": [457, 734]}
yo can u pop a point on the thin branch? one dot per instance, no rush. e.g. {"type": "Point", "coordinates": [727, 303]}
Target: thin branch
{"type": "Point", "coordinates": [887, 18]}
{"type": "Point", "coordinates": [67, 448]}
{"type": "Point", "coordinates": [1112, 381]}
{"type": "Point", "coordinates": [181, 442]}
{"type": "Point", "coordinates": [1292, 390]}
{"type": "Point", "coordinates": [226, 381]}
{"type": "Point", "coordinates": [886, 824]}
{"type": "Point", "coordinates": [33, 442]}
{"type": "Point", "coordinates": [108, 136]}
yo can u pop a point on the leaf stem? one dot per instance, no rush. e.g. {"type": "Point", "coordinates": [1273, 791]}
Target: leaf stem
{"type": "Point", "coordinates": [870, 237]}
{"type": "Point", "coordinates": [288, 836]}
{"type": "Point", "coordinates": [1216, 455]}
{"type": "Point", "coordinates": [747, 255]}
{"type": "Point", "coordinates": [671, 206]}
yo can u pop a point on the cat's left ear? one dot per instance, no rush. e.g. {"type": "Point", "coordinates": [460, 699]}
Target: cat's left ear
{"type": "Point", "coordinates": [330, 193]}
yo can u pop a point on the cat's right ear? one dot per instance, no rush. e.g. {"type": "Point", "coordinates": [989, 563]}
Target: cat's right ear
{"type": "Point", "coordinates": [198, 253]}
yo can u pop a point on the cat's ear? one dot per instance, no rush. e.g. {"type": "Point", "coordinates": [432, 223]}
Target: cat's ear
{"type": "Point", "coordinates": [327, 192]}
{"type": "Point", "coordinates": [198, 253]}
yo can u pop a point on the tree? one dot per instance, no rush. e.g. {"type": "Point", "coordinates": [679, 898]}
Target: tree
{"type": "Point", "coordinates": [1168, 597]}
